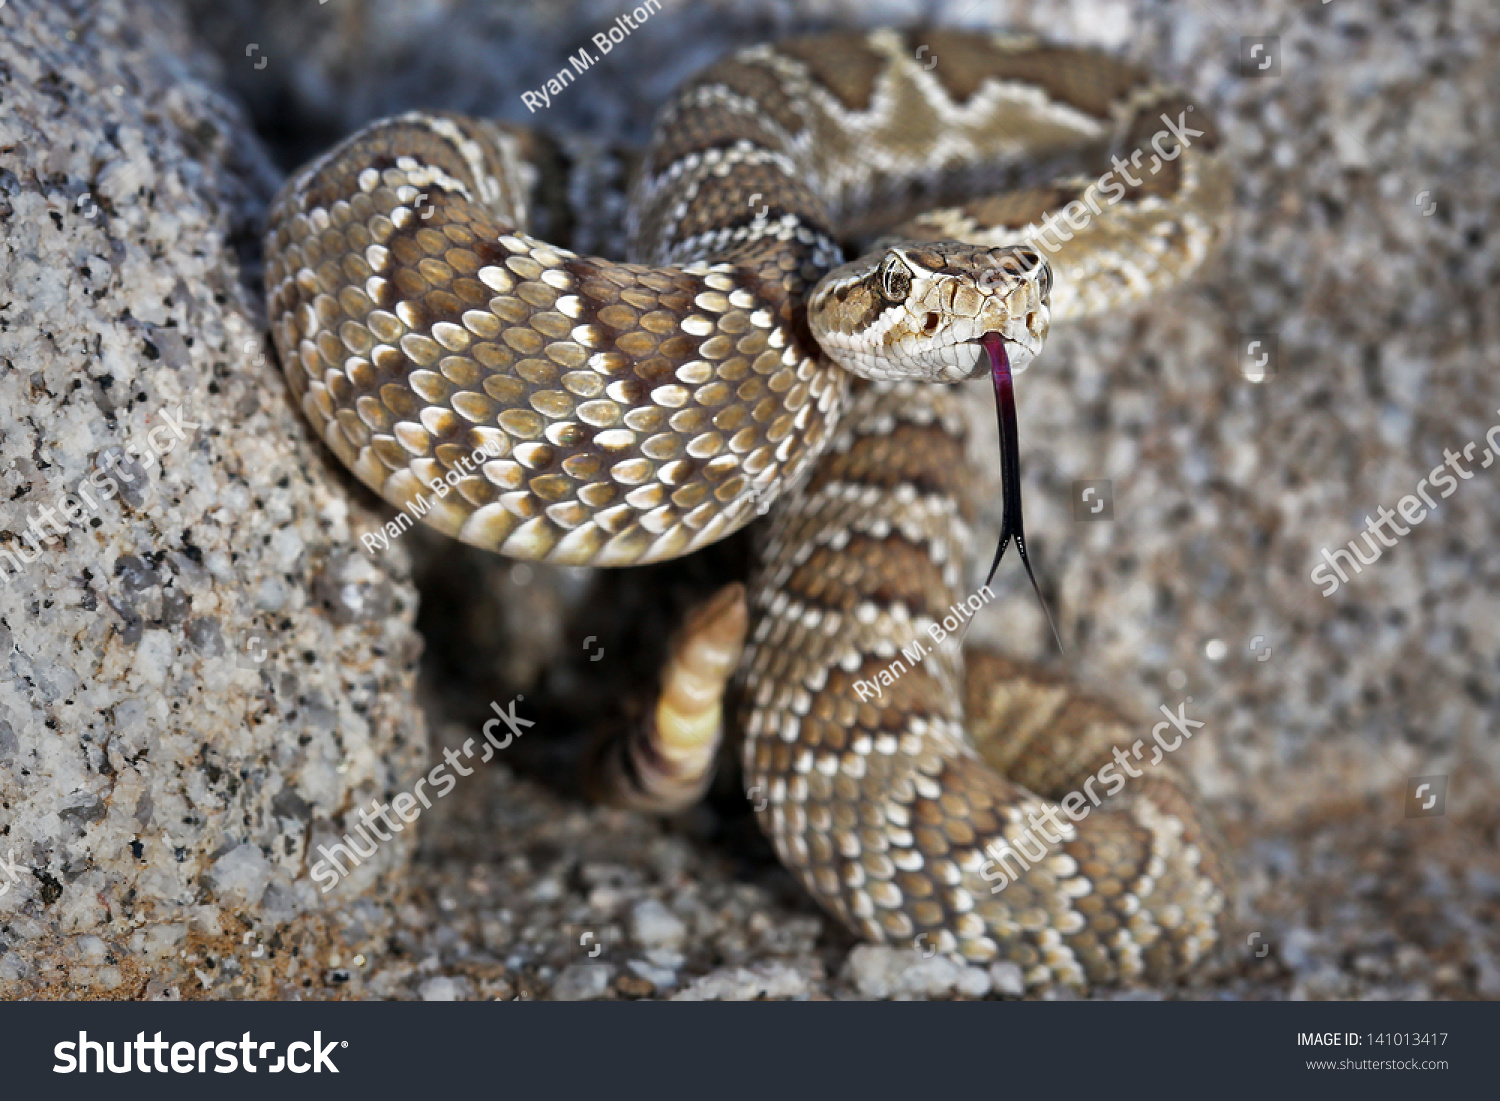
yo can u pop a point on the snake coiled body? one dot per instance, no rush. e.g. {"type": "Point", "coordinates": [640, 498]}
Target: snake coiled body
{"type": "Point", "coordinates": [601, 412]}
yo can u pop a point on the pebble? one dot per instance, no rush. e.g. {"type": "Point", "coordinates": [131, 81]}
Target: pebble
{"type": "Point", "coordinates": [652, 925]}
{"type": "Point", "coordinates": [440, 988]}
{"type": "Point", "coordinates": [665, 957]}
{"type": "Point", "coordinates": [582, 982]}
{"type": "Point", "coordinates": [1298, 947]}
{"type": "Point", "coordinates": [773, 979]}
{"type": "Point", "coordinates": [631, 985]}
{"type": "Point", "coordinates": [879, 971]}
{"type": "Point", "coordinates": [1488, 980]}
{"type": "Point", "coordinates": [659, 977]}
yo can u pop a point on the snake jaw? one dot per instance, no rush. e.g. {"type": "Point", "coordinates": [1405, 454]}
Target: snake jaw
{"type": "Point", "coordinates": [1011, 524]}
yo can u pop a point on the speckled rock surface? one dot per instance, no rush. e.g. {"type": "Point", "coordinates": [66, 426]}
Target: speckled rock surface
{"type": "Point", "coordinates": [202, 679]}
{"type": "Point", "coordinates": [1368, 205]}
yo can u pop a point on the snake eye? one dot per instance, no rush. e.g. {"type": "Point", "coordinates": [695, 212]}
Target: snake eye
{"type": "Point", "coordinates": [1044, 280]}
{"type": "Point", "coordinates": [895, 279]}
{"type": "Point", "coordinates": [1029, 265]}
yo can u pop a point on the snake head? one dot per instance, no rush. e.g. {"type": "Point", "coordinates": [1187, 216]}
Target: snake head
{"type": "Point", "coordinates": [920, 311]}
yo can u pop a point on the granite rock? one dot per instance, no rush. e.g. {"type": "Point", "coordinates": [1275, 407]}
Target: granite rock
{"type": "Point", "coordinates": [203, 680]}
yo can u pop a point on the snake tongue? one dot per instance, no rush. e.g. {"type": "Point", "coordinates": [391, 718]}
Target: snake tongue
{"type": "Point", "coordinates": [1011, 526]}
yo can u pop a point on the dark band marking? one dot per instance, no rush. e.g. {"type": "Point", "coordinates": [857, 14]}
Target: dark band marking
{"type": "Point", "coordinates": [883, 571]}
{"type": "Point", "coordinates": [844, 64]}
{"type": "Point", "coordinates": [924, 457]}
{"type": "Point", "coordinates": [967, 61]}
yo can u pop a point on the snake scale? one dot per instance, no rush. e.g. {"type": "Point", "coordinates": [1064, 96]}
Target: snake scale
{"type": "Point", "coordinates": [593, 411]}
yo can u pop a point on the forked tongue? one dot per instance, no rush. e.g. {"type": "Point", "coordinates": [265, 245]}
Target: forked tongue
{"type": "Point", "coordinates": [1010, 469]}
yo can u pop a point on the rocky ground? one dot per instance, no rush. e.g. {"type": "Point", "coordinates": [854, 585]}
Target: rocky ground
{"type": "Point", "coordinates": [1368, 200]}
{"type": "Point", "coordinates": [517, 887]}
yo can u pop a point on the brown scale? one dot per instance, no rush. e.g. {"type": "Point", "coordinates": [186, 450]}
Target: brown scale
{"type": "Point", "coordinates": [611, 409]}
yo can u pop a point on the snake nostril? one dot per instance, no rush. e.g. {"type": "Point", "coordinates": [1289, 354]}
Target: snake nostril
{"type": "Point", "coordinates": [930, 325]}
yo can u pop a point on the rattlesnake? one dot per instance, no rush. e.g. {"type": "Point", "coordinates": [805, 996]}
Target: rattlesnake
{"type": "Point", "coordinates": [596, 412]}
